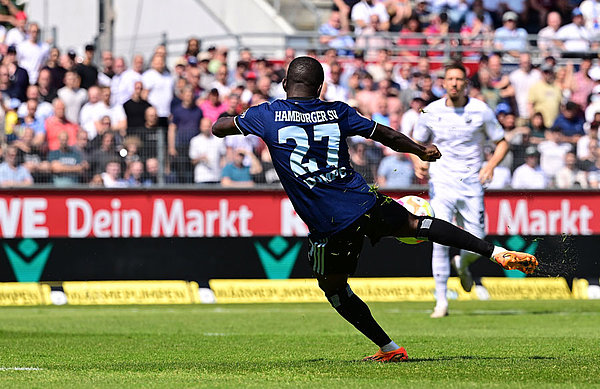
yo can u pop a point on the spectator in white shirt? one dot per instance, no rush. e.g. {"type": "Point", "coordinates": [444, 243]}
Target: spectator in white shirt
{"type": "Point", "coordinates": [552, 152]}
{"type": "Point", "coordinates": [574, 38]}
{"type": "Point", "coordinates": [207, 153]}
{"type": "Point", "coordinates": [44, 108]}
{"type": "Point", "coordinates": [529, 175]}
{"type": "Point", "coordinates": [72, 95]}
{"type": "Point", "coordinates": [159, 84]}
{"type": "Point", "coordinates": [32, 54]}
{"type": "Point", "coordinates": [333, 89]}
{"type": "Point", "coordinates": [361, 15]}
{"type": "Point", "coordinates": [17, 34]}
{"type": "Point", "coordinates": [547, 35]}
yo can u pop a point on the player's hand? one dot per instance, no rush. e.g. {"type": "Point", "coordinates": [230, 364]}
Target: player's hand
{"type": "Point", "coordinates": [486, 174]}
{"type": "Point", "coordinates": [430, 153]}
{"type": "Point", "coordinates": [422, 170]}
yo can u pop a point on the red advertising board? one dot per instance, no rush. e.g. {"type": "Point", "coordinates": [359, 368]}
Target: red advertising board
{"type": "Point", "coordinates": [194, 213]}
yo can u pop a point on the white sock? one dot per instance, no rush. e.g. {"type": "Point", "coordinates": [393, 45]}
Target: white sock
{"type": "Point", "coordinates": [497, 250]}
{"type": "Point", "coordinates": [390, 347]}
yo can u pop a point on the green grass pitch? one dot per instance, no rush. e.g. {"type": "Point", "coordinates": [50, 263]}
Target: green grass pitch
{"type": "Point", "coordinates": [497, 344]}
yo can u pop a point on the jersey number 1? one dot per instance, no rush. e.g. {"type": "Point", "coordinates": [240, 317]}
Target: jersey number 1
{"type": "Point", "coordinates": [299, 135]}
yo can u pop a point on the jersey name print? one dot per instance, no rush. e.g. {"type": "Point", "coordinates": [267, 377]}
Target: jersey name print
{"type": "Point", "coordinates": [307, 142]}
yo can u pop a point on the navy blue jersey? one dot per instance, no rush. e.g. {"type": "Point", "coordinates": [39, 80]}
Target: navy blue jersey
{"type": "Point", "coordinates": [307, 142]}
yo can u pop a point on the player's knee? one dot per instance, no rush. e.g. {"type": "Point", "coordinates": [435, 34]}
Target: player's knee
{"type": "Point", "coordinates": [423, 224]}
{"type": "Point", "coordinates": [338, 297]}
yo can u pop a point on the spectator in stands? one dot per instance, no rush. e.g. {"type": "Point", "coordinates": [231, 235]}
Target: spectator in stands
{"type": "Point", "coordinates": [545, 96]}
{"type": "Point", "coordinates": [593, 166]}
{"type": "Point", "coordinates": [116, 112]}
{"type": "Point", "coordinates": [570, 122]}
{"type": "Point", "coordinates": [32, 156]}
{"type": "Point", "coordinates": [333, 90]}
{"type": "Point", "coordinates": [72, 96]}
{"type": "Point", "coordinates": [552, 153]}
{"type": "Point", "coordinates": [574, 38]}
{"type": "Point", "coordinates": [13, 174]}
{"type": "Point", "coordinates": [508, 38]}
{"type": "Point", "coordinates": [105, 153]}
{"type": "Point", "coordinates": [19, 79]}
{"type": "Point", "coordinates": [66, 163]}
{"type": "Point", "coordinates": [371, 40]}
{"type": "Point", "coordinates": [477, 11]}
{"type": "Point", "coordinates": [46, 92]}
{"type": "Point", "coordinates": [409, 44]}
{"type": "Point", "coordinates": [111, 176]}
{"type": "Point", "coordinates": [57, 124]}
{"type": "Point", "coordinates": [32, 53]}
{"type": "Point", "coordinates": [361, 14]}
{"type": "Point", "coordinates": [105, 76]}
{"type": "Point", "coordinates": [487, 92]}
{"type": "Point", "coordinates": [185, 124]}
{"type": "Point", "coordinates": [530, 174]}
{"type": "Point", "coordinates": [131, 148]}
{"type": "Point", "coordinates": [82, 145]}
{"type": "Point", "coordinates": [69, 60]}
{"type": "Point", "coordinates": [18, 33]}
{"type": "Point", "coordinates": [119, 87]}
{"type": "Point", "coordinates": [159, 84]}
{"type": "Point", "coordinates": [213, 106]}
{"type": "Point", "coordinates": [547, 38]}
{"type": "Point", "coordinates": [522, 79]}
{"type": "Point", "coordinates": [207, 153]}
{"type": "Point", "coordinates": [344, 7]}
{"type": "Point", "coordinates": [134, 175]}
{"type": "Point", "coordinates": [87, 70]}
{"type": "Point", "coordinates": [334, 35]}
{"type": "Point", "coordinates": [583, 143]}
{"type": "Point", "coordinates": [395, 172]}
{"type": "Point", "coordinates": [570, 176]}
{"type": "Point", "coordinates": [593, 107]}
{"type": "Point", "coordinates": [582, 84]}
{"type": "Point", "coordinates": [34, 121]}
{"type": "Point", "coordinates": [237, 174]}
{"type": "Point", "coordinates": [135, 108]}
{"type": "Point", "coordinates": [57, 72]}
{"type": "Point", "coordinates": [43, 109]}
{"type": "Point", "coordinates": [360, 162]}
{"type": "Point", "coordinates": [537, 129]}
{"type": "Point", "coordinates": [438, 28]}
{"type": "Point", "coordinates": [91, 112]}
{"type": "Point", "coordinates": [221, 81]}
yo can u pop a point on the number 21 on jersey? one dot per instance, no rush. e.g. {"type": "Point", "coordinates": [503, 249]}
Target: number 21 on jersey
{"type": "Point", "coordinates": [300, 136]}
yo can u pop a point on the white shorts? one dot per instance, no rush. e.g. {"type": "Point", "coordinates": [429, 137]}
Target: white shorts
{"type": "Point", "coordinates": [465, 211]}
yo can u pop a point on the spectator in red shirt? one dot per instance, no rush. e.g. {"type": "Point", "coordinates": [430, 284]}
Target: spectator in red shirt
{"type": "Point", "coordinates": [58, 123]}
{"type": "Point", "coordinates": [413, 26]}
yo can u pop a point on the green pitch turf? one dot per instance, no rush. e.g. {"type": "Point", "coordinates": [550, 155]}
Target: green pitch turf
{"type": "Point", "coordinates": [535, 344]}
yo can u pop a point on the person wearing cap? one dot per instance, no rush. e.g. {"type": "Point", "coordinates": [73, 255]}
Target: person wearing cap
{"type": "Point", "coordinates": [19, 79]}
{"type": "Point", "coordinates": [509, 38]}
{"type": "Point", "coordinates": [574, 38]}
{"type": "Point", "coordinates": [87, 70]}
{"type": "Point", "coordinates": [17, 34]}
{"type": "Point", "coordinates": [545, 96]}
{"type": "Point", "coordinates": [530, 175]}
{"type": "Point", "coordinates": [31, 53]}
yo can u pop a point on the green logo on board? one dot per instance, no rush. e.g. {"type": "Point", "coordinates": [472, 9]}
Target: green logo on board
{"type": "Point", "coordinates": [278, 258]}
{"type": "Point", "coordinates": [29, 262]}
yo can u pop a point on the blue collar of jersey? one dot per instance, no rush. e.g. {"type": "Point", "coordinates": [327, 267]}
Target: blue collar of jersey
{"type": "Point", "coordinates": [302, 98]}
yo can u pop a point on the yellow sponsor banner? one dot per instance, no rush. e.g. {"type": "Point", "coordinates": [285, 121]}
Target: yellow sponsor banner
{"type": "Point", "coordinates": [527, 288]}
{"type": "Point", "coordinates": [307, 290]}
{"type": "Point", "coordinates": [24, 293]}
{"type": "Point", "coordinates": [130, 292]}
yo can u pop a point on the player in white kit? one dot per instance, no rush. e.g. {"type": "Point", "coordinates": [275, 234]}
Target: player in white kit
{"type": "Point", "coordinates": [459, 126]}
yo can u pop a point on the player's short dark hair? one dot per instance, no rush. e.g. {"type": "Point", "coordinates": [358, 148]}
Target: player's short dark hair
{"type": "Point", "coordinates": [455, 65]}
{"type": "Point", "coordinates": [307, 71]}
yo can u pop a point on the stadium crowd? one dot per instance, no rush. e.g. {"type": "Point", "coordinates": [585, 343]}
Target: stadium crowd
{"type": "Point", "coordinates": [135, 122]}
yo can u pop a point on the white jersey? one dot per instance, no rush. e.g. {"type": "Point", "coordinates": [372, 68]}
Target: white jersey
{"type": "Point", "coordinates": [460, 134]}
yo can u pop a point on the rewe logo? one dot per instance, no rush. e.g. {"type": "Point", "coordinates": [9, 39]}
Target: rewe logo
{"type": "Point", "coordinates": [278, 259]}
{"type": "Point", "coordinates": [27, 266]}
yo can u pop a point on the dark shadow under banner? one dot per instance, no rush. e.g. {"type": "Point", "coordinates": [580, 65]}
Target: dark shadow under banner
{"type": "Point", "coordinates": [201, 259]}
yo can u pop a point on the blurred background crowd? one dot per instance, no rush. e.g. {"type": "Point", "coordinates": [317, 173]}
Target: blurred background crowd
{"type": "Point", "coordinates": [96, 119]}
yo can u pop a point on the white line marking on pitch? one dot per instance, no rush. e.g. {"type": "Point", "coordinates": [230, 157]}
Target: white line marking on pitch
{"type": "Point", "coordinates": [20, 368]}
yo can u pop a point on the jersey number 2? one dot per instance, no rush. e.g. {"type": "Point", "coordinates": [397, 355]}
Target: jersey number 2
{"type": "Point", "coordinates": [299, 135]}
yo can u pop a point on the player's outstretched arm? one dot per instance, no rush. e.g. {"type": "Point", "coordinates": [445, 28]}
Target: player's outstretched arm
{"type": "Point", "coordinates": [403, 144]}
{"type": "Point", "coordinates": [225, 126]}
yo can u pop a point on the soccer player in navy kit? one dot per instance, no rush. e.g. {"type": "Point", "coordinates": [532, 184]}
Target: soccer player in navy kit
{"type": "Point", "coordinates": [307, 141]}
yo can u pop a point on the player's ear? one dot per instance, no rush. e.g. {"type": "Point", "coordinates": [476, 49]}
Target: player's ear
{"type": "Point", "coordinates": [284, 84]}
{"type": "Point", "coordinates": [319, 90]}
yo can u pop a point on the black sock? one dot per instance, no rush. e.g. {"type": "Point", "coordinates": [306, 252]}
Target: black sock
{"type": "Point", "coordinates": [357, 313]}
{"type": "Point", "coordinates": [442, 232]}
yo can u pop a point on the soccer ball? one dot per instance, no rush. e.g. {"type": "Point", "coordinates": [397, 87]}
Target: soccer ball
{"type": "Point", "coordinates": [418, 206]}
